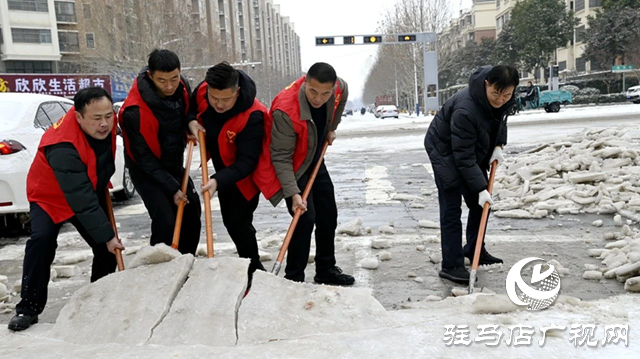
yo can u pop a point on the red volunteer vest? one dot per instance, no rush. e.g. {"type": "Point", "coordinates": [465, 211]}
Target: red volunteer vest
{"type": "Point", "coordinates": [42, 185]}
{"type": "Point", "coordinates": [148, 122]}
{"type": "Point", "coordinates": [288, 102]}
{"type": "Point", "coordinates": [226, 139]}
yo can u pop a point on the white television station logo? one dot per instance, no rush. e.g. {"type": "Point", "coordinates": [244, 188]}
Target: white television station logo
{"type": "Point", "coordinates": [545, 285]}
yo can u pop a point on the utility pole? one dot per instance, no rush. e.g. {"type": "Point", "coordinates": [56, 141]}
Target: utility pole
{"type": "Point", "coordinates": [415, 76]}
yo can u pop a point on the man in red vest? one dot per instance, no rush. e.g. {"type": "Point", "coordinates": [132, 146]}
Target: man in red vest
{"type": "Point", "coordinates": [305, 114]}
{"type": "Point", "coordinates": [154, 126]}
{"type": "Point", "coordinates": [67, 181]}
{"type": "Point", "coordinates": [225, 104]}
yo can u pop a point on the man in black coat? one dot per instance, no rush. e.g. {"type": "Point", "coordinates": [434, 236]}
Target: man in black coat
{"type": "Point", "coordinates": [154, 124]}
{"type": "Point", "coordinates": [67, 182]}
{"type": "Point", "coordinates": [225, 105]}
{"type": "Point", "coordinates": [464, 138]}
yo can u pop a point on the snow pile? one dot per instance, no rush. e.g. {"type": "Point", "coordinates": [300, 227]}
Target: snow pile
{"type": "Point", "coordinates": [159, 253]}
{"type": "Point", "coordinates": [595, 171]}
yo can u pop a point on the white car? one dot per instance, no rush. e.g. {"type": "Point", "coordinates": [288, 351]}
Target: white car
{"type": "Point", "coordinates": [385, 111]}
{"type": "Point", "coordinates": [23, 120]}
{"type": "Point", "coordinates": [633, 94]}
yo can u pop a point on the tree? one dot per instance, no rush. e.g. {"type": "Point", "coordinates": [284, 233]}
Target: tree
{"type": "Point", "coordinates": [612, 34]}
{"type": "Point", "coordinates": [396, 63]}
{"type": "Point", "coordinates": [539, 28]}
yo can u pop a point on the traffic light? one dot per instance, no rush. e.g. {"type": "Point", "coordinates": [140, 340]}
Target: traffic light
{"type": "Point", "coordinates": [546, 72]}
{"type": "Point", "coordinates": [324, 40]}
{"type": "Point", "coordinates": [406, 38]}
{"type": "Point", "coordinates": [349, 40]}
{"type": "Point", "coordinates": [372, 39]}
{"type": "Point", "coordinates": [556, 71]}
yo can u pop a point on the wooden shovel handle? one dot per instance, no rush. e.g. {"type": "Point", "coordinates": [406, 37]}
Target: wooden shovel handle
{"type": "Point", "coordinates": [183, 189]}
{"type": "Point", "coordinates": [206, 195]}
{"type": "Point", "coordinates": [112, 219]}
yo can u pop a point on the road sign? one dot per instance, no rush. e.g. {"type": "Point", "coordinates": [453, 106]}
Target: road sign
{"type": "Point", "coordinates": [407, 38]}
{"type": "Point", "coordinates": [349, 40]}
{"type": "Point", "coordinates": [372, 39]}
{"type": "Point", "coordinates": [324, 41]}
{"type": "Point", "coordinates": [623, 68]}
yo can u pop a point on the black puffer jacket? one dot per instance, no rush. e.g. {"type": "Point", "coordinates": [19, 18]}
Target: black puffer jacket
{"type": "Point", "coordinates": [248, 142]}
{"type": "Point", "coordinates": [172, 120]}
{"type": "Point", "coordinates": [463, 134]}
{"type": "Point", "coordinates": [87, 204]}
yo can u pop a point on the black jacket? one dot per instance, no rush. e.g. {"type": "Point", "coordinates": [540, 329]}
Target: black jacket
{"type": "Point", "coordinates": [170, 113]}
{"type": "Point", "coordinates": [88, 205]}
{"type": "Point", "coordinates": [463, 134]}
{"type": "Point", "coordinates": [248, 142]}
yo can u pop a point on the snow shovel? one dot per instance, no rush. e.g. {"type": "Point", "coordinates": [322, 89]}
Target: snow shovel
{"type": "Point", "coordinates": [206, 195]}
{"type": "Point", "coordinates": [483, 226]}
{"type": "Point", "coordinates": [185, 183]}
{"type": "Point", "coordinates": [298, 213]}
{"type": "Point", "coordinates": [112, 219]}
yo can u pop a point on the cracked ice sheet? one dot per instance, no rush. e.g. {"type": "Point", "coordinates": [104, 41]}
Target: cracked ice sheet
{"type": "Point", "coordinates": [123, 307]}
{"type": "Point", "coordinates": [205, 310]}
{"type": "Point", "coordinates": [277, 309]}
{"type": "Point", "coordinates": [418, 333]}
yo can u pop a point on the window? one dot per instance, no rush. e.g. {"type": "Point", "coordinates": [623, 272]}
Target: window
{"type": "Point", "coordinates": [580, 64]}
{"type": "Point", "coordinates": [28, 67]}
{"type": "Point", "coordinates": [29, 5]}
{"type": "Point", "coordinates": [68, 42]}
{"type": "Point", "coordinates": [580, 34]}
{"type": "Point", "coordinates": [595, 3]}
{"type": "Point", "coordinates": [86, 11]}
{"type": "Point", "coordinates": [1, 37]}
{"type": "Point", "coordinates": [65, 11]}
{"type": "Point", "coordinates": [91, 40]}
{"type": "Point", "coordinates": [579, 5]}
{"type": "Point", "coordinates": [31, 36]}
{"type": "Point", "coordinates": [562, 65]}
{"type": "Point", "coordinates": [67, 106]}
{"type": "Point", "coordinates": [48, 114]}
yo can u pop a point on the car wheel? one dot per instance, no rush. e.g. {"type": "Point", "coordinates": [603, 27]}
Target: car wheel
{"type": "Point", "coordinates": [555, 107]}
{"type": "Point", "coordinates": [128, 190]}
{"type": "Point", "coordinates": [547, 109]}
{"type": "Point", "coordinates": [397, 116]}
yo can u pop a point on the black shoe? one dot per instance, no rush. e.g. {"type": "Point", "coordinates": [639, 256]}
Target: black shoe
{"type": "Point", "coordinates": [334, 276]}
{"type": "Point", "coordinates": [485, 258]}
{"type": "Point", "coordinates": [22, 321]}
{"type": "Point", "coordinates": [457, 274]}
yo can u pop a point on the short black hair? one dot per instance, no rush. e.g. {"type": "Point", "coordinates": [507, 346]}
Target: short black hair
{"type": "Point", "coordinates": [163, 60]}
{"type": "Point", "coordinates": [322, 72]}
{"type": "Point", "coordinates": [222, 76]}
{"type": "Point", "coordinates": [88, 95]}
{"type": "Point", "coordinates": [502, 77]}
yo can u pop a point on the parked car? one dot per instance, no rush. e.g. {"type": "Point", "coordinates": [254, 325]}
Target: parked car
{"type": "Point", "coordinates": [23, 120]}
{"type": "Point", "coordinates": [633, 94]}
{"type": "Point", "coordinates": [385, 111]}
{"type": "Point", "coordinates": [347, 113]}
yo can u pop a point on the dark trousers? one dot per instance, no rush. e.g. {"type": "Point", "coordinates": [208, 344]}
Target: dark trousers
{"type": "Point", "coordinates": [237, 216]}
{"type": "Point", "coordinates": [40, 252]}
{"type": "Point", "coordinates": [163, 211]}
{"type": "Point", "coordinates": [450, 201]}
{"type": "Point", "coordinates": [322, 213]}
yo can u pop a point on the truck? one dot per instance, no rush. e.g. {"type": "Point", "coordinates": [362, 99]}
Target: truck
{"type": "Point", "coordinates": [385, 100]}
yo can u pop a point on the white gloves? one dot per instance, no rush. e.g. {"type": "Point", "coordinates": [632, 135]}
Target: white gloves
{"type": "Point", "coordinates": [484, 197]}
{"type": "Point", "coordinates": [497, 155]}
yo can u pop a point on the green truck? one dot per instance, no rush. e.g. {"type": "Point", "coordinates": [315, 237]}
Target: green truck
{"type": "Point", "coordinates": [549, 100]}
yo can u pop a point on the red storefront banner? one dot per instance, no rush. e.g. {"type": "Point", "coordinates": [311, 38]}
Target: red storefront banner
{"type": "Point", "coordinates": [66, 85]}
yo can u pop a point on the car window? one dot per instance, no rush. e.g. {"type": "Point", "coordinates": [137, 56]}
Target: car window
{"type": "Point", "coordinates": [66, 106]}
{"type": "Point", "coordinates": [48, 114]}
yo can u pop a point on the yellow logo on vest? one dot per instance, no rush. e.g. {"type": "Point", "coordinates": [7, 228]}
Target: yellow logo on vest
{"type": "Point", "coordinates": [57, 124]}
{"type": "Point", "coordinates": [231, 136]}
